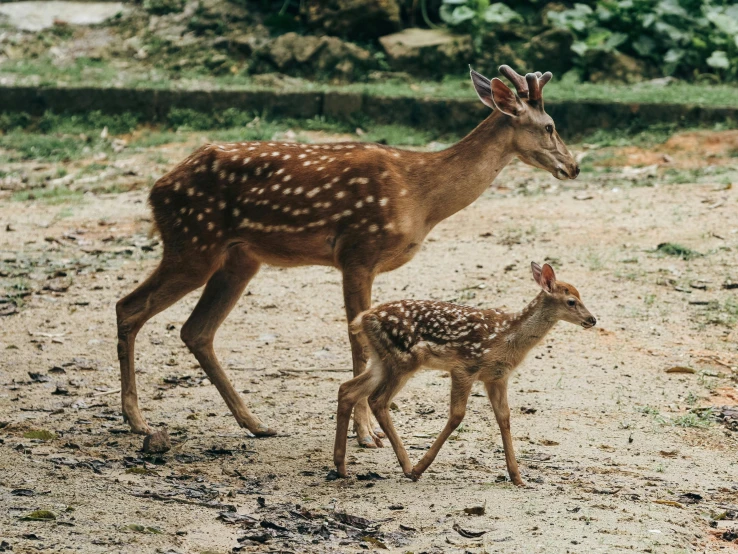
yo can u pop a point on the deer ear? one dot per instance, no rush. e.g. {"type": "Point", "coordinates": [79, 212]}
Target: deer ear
{"type": "Point", "coordinates": [482, 87]}
{"type": "Point", "coordinates": [548, 278]}
{"type": "Point", "coordinates": [544, 276]}
{"type": "Point", "coordinates": [505, 99]}
{"type": "Point", "coordinates": [536, 270]}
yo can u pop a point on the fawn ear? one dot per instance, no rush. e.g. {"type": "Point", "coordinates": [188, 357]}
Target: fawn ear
{"type": "Point", "coordinates": [544, 276]}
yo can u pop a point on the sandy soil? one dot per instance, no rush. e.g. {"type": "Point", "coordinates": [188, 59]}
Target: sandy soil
{"type": "Point", "coordinates": [609, 442]}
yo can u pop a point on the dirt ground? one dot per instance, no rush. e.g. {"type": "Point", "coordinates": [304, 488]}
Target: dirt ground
{"type": "Point", "coordinates": [618, 454]}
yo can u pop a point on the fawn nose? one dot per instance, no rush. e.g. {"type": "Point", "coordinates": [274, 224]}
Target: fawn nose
{"type": "Point", "coordinates": [591, 321]}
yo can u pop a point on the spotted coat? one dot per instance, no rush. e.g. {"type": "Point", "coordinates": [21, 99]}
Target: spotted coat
{"type": "Point", "coordinates": [231, 192]}
{"type": "Point", "coordinates": [407, 325]}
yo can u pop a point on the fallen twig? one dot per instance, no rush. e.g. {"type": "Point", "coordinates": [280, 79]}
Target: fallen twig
{"type": "Point", "coordinates": [107, 392]}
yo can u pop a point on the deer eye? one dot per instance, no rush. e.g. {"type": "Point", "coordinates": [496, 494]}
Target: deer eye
{"type": "Point", "coordinates": [549, 129]}
{"type": "Point", "coordinates": [571, 302]}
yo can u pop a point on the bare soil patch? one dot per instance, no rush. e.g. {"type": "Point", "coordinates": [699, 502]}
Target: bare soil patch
{"type": "Point", "coordinates": [619, 454]}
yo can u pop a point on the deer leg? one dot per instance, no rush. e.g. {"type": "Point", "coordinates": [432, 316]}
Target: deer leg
{"type": "Point", "coordinates": [349, 393]}
{"type": "Point", "coordinates": [497, 393]}
{"type": "Point", "coordinates": [380, 407]}
{"type": "Point", "coordinates": [357, 290]}
{"type": "Point", "coordinates": [220, 296]}
{"type": "Point", "coordinates": [167, 284]}
{"type": "Point", "coordinates": [460, 389]}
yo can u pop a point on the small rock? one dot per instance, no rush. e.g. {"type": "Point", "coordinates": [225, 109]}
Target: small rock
{"type": "Point", "coordinates": [157, 442]}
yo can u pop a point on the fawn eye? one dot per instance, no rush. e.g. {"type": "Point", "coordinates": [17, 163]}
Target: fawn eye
{"type": "Point", "coordinates": [571, 302]}
{"type": "Point", "coordinates": [549, 129]}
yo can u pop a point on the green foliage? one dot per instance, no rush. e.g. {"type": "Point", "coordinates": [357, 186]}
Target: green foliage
{"type": "Point", "coordinates": [684, 38]}
{"type": "Point", "coordinates": [677, 251]}
{"type": "Point", "coordinates": [162, 7]}
{"type": "Point", "coordinates": [695, 418]}
{"type": "Point", "coordinates": [476, 14]}
{"type": "Point", "coordinates": [50, 196]}
{"type": "Point", "coordinates": [675, 35]}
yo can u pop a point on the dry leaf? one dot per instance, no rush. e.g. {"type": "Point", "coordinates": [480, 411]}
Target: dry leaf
{"type": "Point", "coordinates": [681, 369]}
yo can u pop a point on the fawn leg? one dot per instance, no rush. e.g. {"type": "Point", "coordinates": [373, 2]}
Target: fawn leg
{"type": "Point", "coordinates": [380, 408]}
{"type": "Point", "coordinates": [497, 392]}
{"type": "Point", "coordinates": [167, 284]}
{"type": "Point", "coordinates": [357, 290]}
{"type": "Point", "coordinates": [460, 388]}
{"type": "Point", "coordinates": [349, 393]}
{"type": "Point", "coordinates": [220, 296]}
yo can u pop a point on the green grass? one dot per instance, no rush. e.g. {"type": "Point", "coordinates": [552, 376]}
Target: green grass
{"type": "Point", "coordinates": [649, 410]}
{"type": "Point", "coordinates": [723, 313]}
{"type": "Point", "coordinates": [83, 71]}
{"type": "Point", "coordinates": [677, 251]}
{"type": "Point", "coordinates": [698, 418]}
{"type": "Point", "coordinates": [22, 146]}
{"type": "Point", "coordinates": [151, 138]}
{"type": "Point", "coordinates": [52, 196]}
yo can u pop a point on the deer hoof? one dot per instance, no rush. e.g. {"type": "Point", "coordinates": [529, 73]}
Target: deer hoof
{"type": "Point", "coordinates": [412, 475]}
{"type": "Point", "coordinates": [138, 425]}
{"type": "Point", "coordinates": [369, 442]}
{"type": "Point", "coordinates": [263, 431]}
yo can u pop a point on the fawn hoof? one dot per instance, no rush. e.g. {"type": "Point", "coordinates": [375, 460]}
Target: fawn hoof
{"type": "Point", "coordinates": [378, 432]}
{"type": "Point", "coordinates": [368, 438]}
{"type": "Point", "coordinates": [413, 474]}
{"type": "Point", "coordinates": [520, 483]}
{"type": "Point", "coordinates": [367, 441]}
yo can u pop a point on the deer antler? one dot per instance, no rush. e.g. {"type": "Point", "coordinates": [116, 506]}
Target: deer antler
{"type": "Point", "coordinates": [516, 79]}
{"type": "Point", "coordinates": [528, 87]}
{"type": "Point", "coordinates": [536, 82]}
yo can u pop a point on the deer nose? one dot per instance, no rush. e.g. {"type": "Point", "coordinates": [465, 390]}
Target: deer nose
{"type": "Point", "coordinates": [576, 171]}
{"type": "Point", "coordinates": [591, 321]}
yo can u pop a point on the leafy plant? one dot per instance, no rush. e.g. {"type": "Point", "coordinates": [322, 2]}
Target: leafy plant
{"type": "Point", "coordinates": [677, 36]}
{"type": "Point", "coordinates": [474, 15]}
{"type": "Point", "coordinates": [684, 38]}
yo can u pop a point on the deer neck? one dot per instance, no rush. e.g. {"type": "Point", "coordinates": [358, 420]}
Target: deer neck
{"type": "Point", "coordinates": [452, 179]}
{"type": "Point", "coordinates": [527, 328]}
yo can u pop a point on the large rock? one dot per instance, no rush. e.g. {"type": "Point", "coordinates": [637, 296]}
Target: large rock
{"type": "Point", "coordinates": [312, 56]}
{"type": "Point", "coordinates": [551, 51]}
{"type": "Point", "coordinates": [36, 16]}
{"type": "Point", "coordinates": [427, 52]}
{"type": "Point", "coordinates": [357, 19]}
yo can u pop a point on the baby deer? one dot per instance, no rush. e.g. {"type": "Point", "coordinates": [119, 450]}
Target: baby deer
{"type": "Point", "coordinates": [471, 344]}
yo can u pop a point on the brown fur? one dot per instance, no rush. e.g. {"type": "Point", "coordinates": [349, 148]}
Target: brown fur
{"type": "Point", "coordinates": [361, 208]}
{"type": "Point", "coordinates": [471, 343]}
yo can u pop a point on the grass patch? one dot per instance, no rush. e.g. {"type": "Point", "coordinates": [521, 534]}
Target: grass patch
{"type": "Point", "coordinates": [52, 196]}
{"type": "Point", "coordinates": [696, 418]}
{"type": "Point", "coordinates": [650, 410]}
{"type": "Point", "coordinates": [677, 251]}
{"type": "Point", "coordinates": [84, 71]}
{"type": "Point", "coordinates": [725, 313]}
{"type": "Point", "coordinates": [151, 138]}
{"type": "Point", "coordinates": [22, 146]}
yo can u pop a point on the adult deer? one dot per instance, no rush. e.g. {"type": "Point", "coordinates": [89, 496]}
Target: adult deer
{"type": "Point", "coordinates": [361, 208]}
